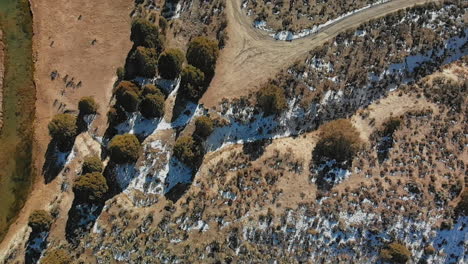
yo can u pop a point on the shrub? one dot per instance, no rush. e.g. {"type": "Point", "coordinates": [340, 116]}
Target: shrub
{"type": "Point", "coordinates": [395, 253]}
{"type": "Point", "coordinates": [90, 187]}
{"type": "Point", "coordinates": [271, 99]}
{"type": "Point", "coordinates": [127, 96]}
{"type": "Point", "coordinates": [391, 125]}
{"type": "Point", "coordinates": [151, 89]}
{"type": "Point", "coordinates": [91, 163]}
{"type": "Point", "coordinates": [170, 63]}
{"type": "Point", "coordinates": [124, 148]}
{"type": "Point", "coordinates": [87, 106]}
{"type": "Point", "coordinates": [145, 62]}
{"type": "Point", "coordinates": [40, 221]}
{"type": "Point", "coordinates": [192, 83]}
{"type": "Point", "coordinates": [203, 126]}
{"type": "Point", "coordinates": [129, 101]}
{"type": "Point", "coordinates": [339, 140]}
{"type": "Point", "coordinates": [146, 34]}
{"type": "Point", "coordinates": [116, 115]}
{"type": "Point", "coordinates": [189, 151]}
{"type": "Point", "coordinates": [152, 106]}
{"type": "Point", "coordinates": [56, 256]}
{"type": "Point", "coordinates": [203, 53]}
{"type": "Point", "coordinates": [62, 129]}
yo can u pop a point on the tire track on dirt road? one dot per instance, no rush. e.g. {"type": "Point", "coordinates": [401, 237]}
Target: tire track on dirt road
{"type": "Point", "coordinates": [251, 56]}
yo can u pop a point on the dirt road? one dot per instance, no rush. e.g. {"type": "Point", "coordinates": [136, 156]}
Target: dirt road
{"type": "Point", "coordinates": [251, 56]}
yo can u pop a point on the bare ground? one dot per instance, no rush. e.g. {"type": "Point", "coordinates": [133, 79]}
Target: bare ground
{"type": "Point", "coordinates": [251, 56]}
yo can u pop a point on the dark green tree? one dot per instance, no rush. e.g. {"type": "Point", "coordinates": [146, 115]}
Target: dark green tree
{"type": "Point", "coordinates": [151, 89]}
{"type": "Point", "coordinates": [87, 106]}
{"type": "Point", "coordinates": [62, 129]}
{"type": "Point", "coordinates": [203, 126]}
{"type": "Point", "coordinates": [91, 163]}
{"type": "Point", "coordinates": [189, 151]}
{"type": "Point", "coordinates": [170, 63]}
{"type": "Point", "coordinates": [127, 96]}
{"type": "Point", "coordinates": [124, 148]}
{"type": "Point", "coordinates": [192, 83]}
{"type": "Point", "coordinates": [90, 187]}
{"type": "Point", "coordinates": [152, 106]}
{"type": "Point", "coordinates": [203, 53]}
{"type": "Point", "coordinates": [146, 34]}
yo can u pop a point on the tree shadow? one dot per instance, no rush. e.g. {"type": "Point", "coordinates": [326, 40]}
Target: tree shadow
{"type": "Point", "coordinates": [255, 149]}
{"type": "Point", "coordinates": [81, 218]}
{"type": "Point", "coordinates": [36, 243]}
{"type": "Point", "coordinates": [54, 161]}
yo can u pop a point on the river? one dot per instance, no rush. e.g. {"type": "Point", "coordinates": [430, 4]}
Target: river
{"type": "Point", "coordinates": [16, 136]}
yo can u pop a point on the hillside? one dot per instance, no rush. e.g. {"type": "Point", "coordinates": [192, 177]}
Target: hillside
{"type": "Point", "coordinates": [216, 132]}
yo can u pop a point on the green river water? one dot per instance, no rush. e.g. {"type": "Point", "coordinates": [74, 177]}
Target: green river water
{"type": "Point", "coordinates": [18, 110]}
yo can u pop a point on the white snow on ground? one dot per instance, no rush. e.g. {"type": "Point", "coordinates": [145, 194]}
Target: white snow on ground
{"type": "Point", "coordinates": [330, 236]}
{"type": "Point", "coordinates": [288, 35]}
{"type": "Point", "coordinates": [245, 125]}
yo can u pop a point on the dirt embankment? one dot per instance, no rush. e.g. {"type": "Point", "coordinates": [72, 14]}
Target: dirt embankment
{"type": "Point", "coordinates": [77, 47]}
{"type": "Point", "coordinates": [2, 71]}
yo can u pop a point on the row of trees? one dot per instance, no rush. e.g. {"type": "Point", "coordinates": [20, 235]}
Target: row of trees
{"type": "Point", "coordinates": [149, 100]}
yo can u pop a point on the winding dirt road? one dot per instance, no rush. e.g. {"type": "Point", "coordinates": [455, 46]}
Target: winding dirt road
{"type": "Point", "coordinates": [251, 56]}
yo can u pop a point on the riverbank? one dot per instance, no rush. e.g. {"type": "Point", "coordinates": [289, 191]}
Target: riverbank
{"type": "Point", "coordinates": [2, 72]}
{"type": "Point", "coordinates": [63, 41]}
{"type": "Point", "coordinates": [18, 107]}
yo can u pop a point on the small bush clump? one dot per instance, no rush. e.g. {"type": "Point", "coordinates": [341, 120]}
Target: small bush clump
{"type": "Point", "coordinates": [124, 148]}
{"type": "Point", "coordinates": [339, 140]}
{"type": "Point", "coordinates": [271, 99]}
{"type": "Point", "coordinates": [87, 106]}
{"type": "Point", "coordinates": [40, 221]}
{"type": "Point", "coordinates": [192, 83]}
{"type": "Point", "coordinates": [91, 163]}
{"type": "Point", "coordinates": [189, 151]}
{"type": "Point", "coordinates": [170, 63]}
{"type": "Point", "coordinates": [395, 253]}
{"type": "Point", "coordinates": [63, 129]}
{"type": "Point", "coordinates": [204, 126]}
{"type": "Point", "coordinates": [90, 187]}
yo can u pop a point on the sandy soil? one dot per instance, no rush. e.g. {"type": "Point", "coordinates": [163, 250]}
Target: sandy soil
{"type": "Point", "coordinates": [86, 40]}
{"type": "Point", "coordinates": [251, 56]}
